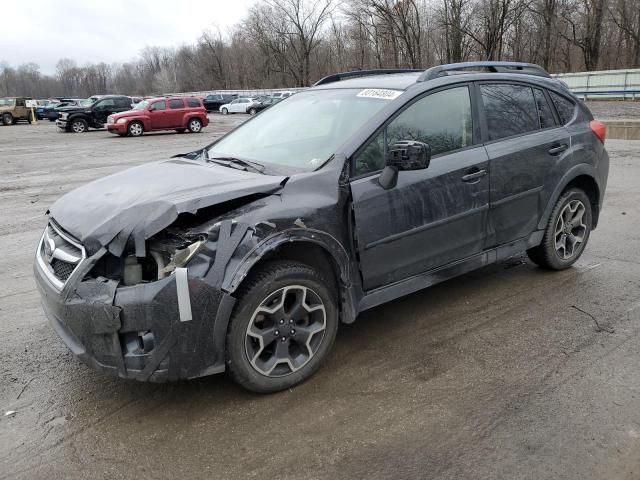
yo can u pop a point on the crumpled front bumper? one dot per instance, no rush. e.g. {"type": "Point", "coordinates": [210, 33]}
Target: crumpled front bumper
{"type": "Point", "coordinates": [136, 331]}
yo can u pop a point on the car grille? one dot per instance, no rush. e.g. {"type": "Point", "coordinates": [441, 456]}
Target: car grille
{"type": "Point", "coordinates": [59, 255]}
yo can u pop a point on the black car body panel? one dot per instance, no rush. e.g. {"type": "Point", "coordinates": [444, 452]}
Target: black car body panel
{"type": "Point", "coordinates": [377, 244]}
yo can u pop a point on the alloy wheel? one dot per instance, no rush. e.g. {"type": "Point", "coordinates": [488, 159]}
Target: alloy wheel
{"type": "Point", "coordinates": [135, 129]}
{"type": "Point", "coordinates": [78, 126]}
{"type": "Point", "coordinates": [570, 230]}
{"type": "Point", "coordinates": [195, 126]}
{"type": "Point", "coordinates": [285, 331]}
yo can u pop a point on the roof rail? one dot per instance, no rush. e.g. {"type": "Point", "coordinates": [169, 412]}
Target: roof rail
{"type": "Point", "coordinates": [336, 77]}
{"type": "Point", "coordinates": [495, 67]}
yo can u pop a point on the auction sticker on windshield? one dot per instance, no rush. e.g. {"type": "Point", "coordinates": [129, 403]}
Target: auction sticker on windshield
{"type": "Point", "coordinates": [379, 93]}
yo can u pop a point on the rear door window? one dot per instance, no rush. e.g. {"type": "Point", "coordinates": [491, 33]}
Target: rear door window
{"type": "Point", "coordinates": [565, 107]}
{"type": "Point", "coordinates": [509, 110]}
{"type": "Point", "coordinates": [544, 109]}
{"type": "Point", "coordinates": [176, 103]}
{"type": "Point", "coordinates": [193, 103]}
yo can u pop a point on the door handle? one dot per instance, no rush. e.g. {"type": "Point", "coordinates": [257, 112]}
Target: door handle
{"type": "Point", "coordinates": [558, 148]}
{"type": "Point", "coordinates": [474, 174]}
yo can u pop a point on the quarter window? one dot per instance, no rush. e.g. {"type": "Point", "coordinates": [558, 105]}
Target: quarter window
{"type": "Point", "coordinates": [565, 107]}
{"type": "Point", "coordinates": [176, 103]}
{"type": "Point", "coordinates": [509, 110]}
{"type": "Point", "coordinates": [544, 110]}
{"type": "Point", "coordinates": [442, 120]}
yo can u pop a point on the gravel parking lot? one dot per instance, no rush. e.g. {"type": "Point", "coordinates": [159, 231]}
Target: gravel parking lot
{"type": "Point", "coordinates": [508, 372]}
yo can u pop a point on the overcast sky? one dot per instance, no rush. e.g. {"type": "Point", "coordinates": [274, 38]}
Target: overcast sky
{"type": "Point", "coordinates": [43, 31]}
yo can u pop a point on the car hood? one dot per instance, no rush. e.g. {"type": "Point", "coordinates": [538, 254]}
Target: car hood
{"type": "Point", "coordinates": [139, 202]}
{"type": "Point", "coordinates": [128, 113]}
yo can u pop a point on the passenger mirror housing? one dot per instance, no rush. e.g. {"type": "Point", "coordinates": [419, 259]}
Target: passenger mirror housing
{"type": "Point", "coordinates": [389, 177]}
{"type": "Point", "coordinates": [409, 155]}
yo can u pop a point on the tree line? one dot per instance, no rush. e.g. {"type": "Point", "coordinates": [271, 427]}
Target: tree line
{"type": "Point", "coordinates": [292, 43]}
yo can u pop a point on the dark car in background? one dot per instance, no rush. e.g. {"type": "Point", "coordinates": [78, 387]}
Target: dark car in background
{"type": "Point", "coordinates": [245, 255]}
{"type": "Point", "coordinates": [213, 102]}
{"type": "Point", "coordinates": [50, 111]}
{"type": "Point", "coordinates": [80, 118]}
{"type": "Point", "coordinates": [260, 103]}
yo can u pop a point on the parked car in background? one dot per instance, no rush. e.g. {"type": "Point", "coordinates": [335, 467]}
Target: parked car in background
{"type": "Point", "coordinates": [213, 102]}
{"type": "Point", "coordinates": [239, 105]}
{"type": "Point", "coordinates": [281, 95]}
{"type": "Point", "coordinates": [80, 118]}
{"type": "Point", "coordinates": [49, 111]}
{"type": "Point", "coordinates": [177, 113]}
{"type": "Point", "coordinates": [13, 109]}
{"type": "Point", "coordinates": [260, 104]}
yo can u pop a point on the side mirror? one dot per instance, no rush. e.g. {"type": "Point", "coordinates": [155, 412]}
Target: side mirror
{"type": "Point", "coordinates": [404, 155]}
{"type": "Point", "coordinates": [409, 155]}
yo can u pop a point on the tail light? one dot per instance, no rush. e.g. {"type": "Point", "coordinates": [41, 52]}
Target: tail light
{"type": "Point", "coordinates": [599, 129]}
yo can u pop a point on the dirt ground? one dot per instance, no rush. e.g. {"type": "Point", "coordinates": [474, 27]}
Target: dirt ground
{"type": "Point", "coordinates": [510, 372]}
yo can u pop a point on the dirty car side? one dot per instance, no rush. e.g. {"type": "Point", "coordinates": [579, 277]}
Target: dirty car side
{"type": "Point", "coordinates": [175, 327]}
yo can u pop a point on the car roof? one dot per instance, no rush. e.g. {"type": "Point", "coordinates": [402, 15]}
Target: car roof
{"type": "Point", "coordinates": [440, 76]}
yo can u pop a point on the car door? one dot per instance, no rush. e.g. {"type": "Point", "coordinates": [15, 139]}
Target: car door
{"type": "Point", "coordinates": [103, 109]}
{"type": "Point", "coordinates": [176, 112]}
{"type": "Point", "coordinates": [524, 142]}
{"type": "Point", "coordinates": [433, 216]}
{"type": "Point", "coordinates": [158, 115]}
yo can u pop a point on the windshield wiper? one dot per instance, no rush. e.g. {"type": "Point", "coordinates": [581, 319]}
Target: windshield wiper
{"type": "Point", "coordinates": [228, 161]}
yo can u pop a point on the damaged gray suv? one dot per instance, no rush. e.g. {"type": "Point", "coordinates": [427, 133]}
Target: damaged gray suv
{"type": "Point", "coordinates": [246, 255]}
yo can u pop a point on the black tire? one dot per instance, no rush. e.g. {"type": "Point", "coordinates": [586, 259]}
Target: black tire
{"type": "Point", "coordinates": [252, 111]}
{"type": "Point", "coordinates": [548, 254]}
{"type": "Point", "coordinates": [30, 118]}
{"type": "Point", "coordinates": [224, 111]}
{"type": "Point", "coordinates": [78, 125]}
{"type": "Point", "coordinates": [7, 119]}
{"type": "Point", "coordinates": [266, 284]}
{"type": "Point", "coordinates": [135, 129]}
{"type": "Point", "coordinates": [195, 125]}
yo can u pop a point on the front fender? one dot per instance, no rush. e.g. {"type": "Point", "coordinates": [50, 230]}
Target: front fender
{"type": "Point", "coordinates": [330, 244]}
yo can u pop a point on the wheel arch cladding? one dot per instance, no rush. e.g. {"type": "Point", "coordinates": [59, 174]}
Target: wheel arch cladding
{"type": "Point", "coordinates": [589, 186]}
{"type": "Point", "coordinates": [317, 249]}
{"type": "Point", "coordinates": [583, 176]}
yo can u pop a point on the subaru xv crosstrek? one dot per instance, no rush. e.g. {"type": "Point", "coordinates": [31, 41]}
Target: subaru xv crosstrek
{"type": "Point", "coordinates": [245, 255]}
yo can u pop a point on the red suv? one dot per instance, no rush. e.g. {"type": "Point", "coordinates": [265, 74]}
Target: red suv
{"type": "Point", "coordinates": [173, 113]}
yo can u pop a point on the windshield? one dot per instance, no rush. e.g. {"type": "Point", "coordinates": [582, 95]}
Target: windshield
{"type": "Point", "coordinates": [303, 131]}
{"type": "Point", "coordinates": [7, 102]}
{"type": "Point", "coordinates": [140, 106]}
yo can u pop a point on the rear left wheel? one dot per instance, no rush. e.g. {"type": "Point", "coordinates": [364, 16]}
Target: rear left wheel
{"type": "Point", "coordinates": [567, 232]}
{"type": "Point", "coordinates": [195, 125]}
{"type": "Point", "coordinates": [7, 119]}
{"type": "Point", "coordinates": [282, 328]}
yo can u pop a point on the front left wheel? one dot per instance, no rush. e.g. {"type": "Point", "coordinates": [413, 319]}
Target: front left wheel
{"type": "Point", "coordinates": [283, 327]}
{"type": "Point", "coordinates": [135, 129]}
